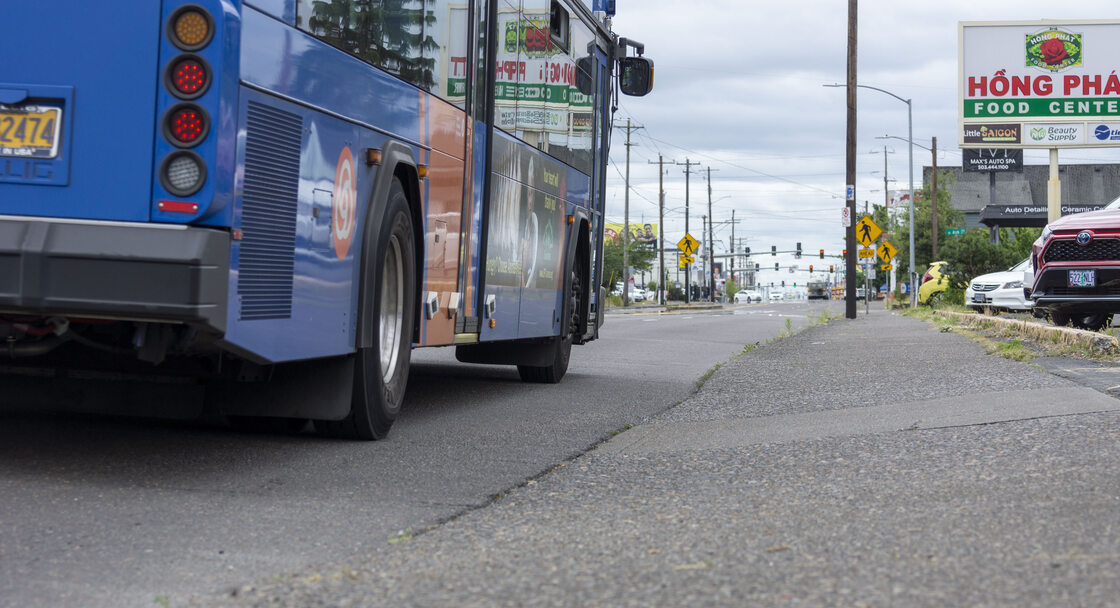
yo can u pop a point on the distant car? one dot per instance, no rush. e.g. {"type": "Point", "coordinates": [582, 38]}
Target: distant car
{"type": "Point", "coordinates": [934, 283]}
{"type": "Point", "coordinates": [637, 294]}
{"type": "Point", "coordinates": [747, 297]}
{"type": "Point", "coordinates": [999, 291]}
{"type": "Point", "coordinates": [775, 297]}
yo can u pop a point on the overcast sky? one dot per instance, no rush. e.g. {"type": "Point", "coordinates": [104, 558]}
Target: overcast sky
{"type": "Point", "coordinates": [738, 88]}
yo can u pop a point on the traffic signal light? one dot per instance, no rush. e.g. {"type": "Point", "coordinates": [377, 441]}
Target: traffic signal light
{"type": "Point", "coordinates": [757, 267]}
{"type": "Point", "coordinates": [773, 250]}
{"type": "Point", "coordinates": [783, 283]}
{"type": "Point", "coordinates": [775, 266]}
{"type": "Point", "coordinates": [747, 250]}
{"type": "Point", "coordinates": [830, 269]}
{"type": "Point", "coordinates": [810, 269]}
{"type": "Point", "coordinates": [822, 254]}
{"type": "Point", "coordinates": [798, 253]}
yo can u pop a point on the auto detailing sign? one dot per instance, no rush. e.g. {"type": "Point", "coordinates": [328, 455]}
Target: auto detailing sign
{"type": "Point", "coordinates": [1057, 81]}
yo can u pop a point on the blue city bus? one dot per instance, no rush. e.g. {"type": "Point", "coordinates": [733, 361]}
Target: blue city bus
{"type": "Point", "coordinates": [264, 205]}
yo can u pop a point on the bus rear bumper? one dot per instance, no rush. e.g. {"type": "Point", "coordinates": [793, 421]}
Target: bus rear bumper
{"type": "Point", "coordinates": [114, 270]}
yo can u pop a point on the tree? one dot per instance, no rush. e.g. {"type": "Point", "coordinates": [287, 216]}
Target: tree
{"type": "Point", "coordinates": [641, 258]}
{"type": "Point", "coordinates": [973, 253]}
{"type": "Point", "coordinates": [947, 217]}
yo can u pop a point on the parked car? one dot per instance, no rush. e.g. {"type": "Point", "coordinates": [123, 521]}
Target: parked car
{"type": "Point", "coordinates": [747, 297]}
{"type": "Point", "coordinates": [637, 294]}
{"type": "Point", "coordinates": [1073, 268]}
{"type": "Point", "coordinates": [999, 291]}
{"type": "Point", "coordinates": [934, 283]}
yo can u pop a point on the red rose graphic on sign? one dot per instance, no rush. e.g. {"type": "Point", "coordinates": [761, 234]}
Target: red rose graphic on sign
{"type": "Point", "coordinates": [344, 206]}
{"type": "Point", "coordinates": [1053, 51]}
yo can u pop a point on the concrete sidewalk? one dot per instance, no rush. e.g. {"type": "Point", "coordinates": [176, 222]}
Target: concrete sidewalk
{"type": "Point", "coordinates": [867, 462]}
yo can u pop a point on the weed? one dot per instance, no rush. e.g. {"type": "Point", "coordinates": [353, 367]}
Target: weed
{"type": "Point", "coordinates": [401, 536]}
{"type": "Point", "coordinates": [1014, 350]}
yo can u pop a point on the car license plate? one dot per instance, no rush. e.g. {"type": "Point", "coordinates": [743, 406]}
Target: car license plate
{"type": "Point", "coordinates": [1083, 278]}
{"type": "Point", "coordinates": [978, 297]}
{"type": "Point", "coordinates": [30, 131]}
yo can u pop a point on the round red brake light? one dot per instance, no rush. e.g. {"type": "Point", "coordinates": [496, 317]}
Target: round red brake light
{"type": "Point", "coordinates": [188, 77]}
{"type": "Point", "coordinates": [186, 125]}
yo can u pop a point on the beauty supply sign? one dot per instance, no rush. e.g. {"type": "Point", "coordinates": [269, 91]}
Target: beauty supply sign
{"type": "Point", "coordinates": [1039, 84]}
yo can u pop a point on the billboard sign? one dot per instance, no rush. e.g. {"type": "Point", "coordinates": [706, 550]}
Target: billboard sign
{"type": "Point", "coordinates": [986, 160]}
{"type": "Point", "coordinates": [1039, 74]}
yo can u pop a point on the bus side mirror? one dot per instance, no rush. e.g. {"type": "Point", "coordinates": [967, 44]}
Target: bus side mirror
{"type": "Point", "coordinates": [635, 75]}
{"type": "Point", "coordinates": [585, 82]}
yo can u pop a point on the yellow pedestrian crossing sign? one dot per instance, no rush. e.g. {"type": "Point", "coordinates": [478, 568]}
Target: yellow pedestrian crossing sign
{"type": "Point", "coordinates": [867, 231]}
{"type": "Point", "coordinates": [688, 245]}
{"type": "Point", "coordinates": [887, 252]}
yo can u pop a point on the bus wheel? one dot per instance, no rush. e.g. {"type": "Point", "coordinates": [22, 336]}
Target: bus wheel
{"type": "Point", "coordinates": [562, 344]}
{"type": "Point", "coordinates": [381, 371]}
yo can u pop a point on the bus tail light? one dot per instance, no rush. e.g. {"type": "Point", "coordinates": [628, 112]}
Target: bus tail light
{"type": "Point", "coordinates": [183, 173]}
{"type": "Point", "coordinates": [186, 125]}
{"type": "Point", "coordinates": [188, 76]}
{"type": "Point", "coordinates": [191, 28]}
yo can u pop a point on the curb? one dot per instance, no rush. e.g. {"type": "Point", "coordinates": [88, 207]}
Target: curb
{"type": "Point", "coordinates": [1094, 341]}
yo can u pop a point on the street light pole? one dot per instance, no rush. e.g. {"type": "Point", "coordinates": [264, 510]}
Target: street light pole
{"type": "Point", "coordinates": [910, 142]}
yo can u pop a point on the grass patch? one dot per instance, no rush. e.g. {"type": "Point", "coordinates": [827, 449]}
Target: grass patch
{"type": "Point", "coordinates": [1014, 350]}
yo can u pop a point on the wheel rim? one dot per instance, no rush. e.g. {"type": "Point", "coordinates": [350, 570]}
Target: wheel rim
{"type": "Point", "coordinates": [391, 317]}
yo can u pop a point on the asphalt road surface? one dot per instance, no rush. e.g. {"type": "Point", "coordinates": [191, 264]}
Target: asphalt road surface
{"type": "Point", "coordinates": [100, 510]}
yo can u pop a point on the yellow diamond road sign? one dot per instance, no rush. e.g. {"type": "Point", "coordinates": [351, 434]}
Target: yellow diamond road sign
{"type": "Point", "coordinates": [887, 252]}
{"type": "Point", "coordinates": [867, 231]}
{"type": "Point", "coordinates": [688, 245]}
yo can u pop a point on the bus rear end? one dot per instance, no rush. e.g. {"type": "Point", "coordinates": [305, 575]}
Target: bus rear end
{"type": "Point", "coordinates": [113, 206]}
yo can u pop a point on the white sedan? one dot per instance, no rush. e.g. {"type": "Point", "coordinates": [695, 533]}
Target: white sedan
{"type": "Point", "coordinates": [747, 296]}
{"type": "Point", "coordinates": [999, 290]}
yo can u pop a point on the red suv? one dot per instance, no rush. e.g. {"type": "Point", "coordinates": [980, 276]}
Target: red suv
{"type": "Point", "coordinates": [1076, 266]}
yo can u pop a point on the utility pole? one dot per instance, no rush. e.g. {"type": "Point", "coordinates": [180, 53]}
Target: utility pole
{"type": "Point", "coordinates": [664, 278]}
{"type": "Point", "coordinates": [626, 223]}
{"type": "Point", "coordinates": [934, 201]}
{"type": "Point", "coordinates": [850, 164]}
{"type": "Point", "coordinates": [731, 260]}
{"type": "Point", "coordinates": [703, 230]}
{"type": "Point", "coordinates": [711, 244]}
{"type": "Point", "coordinates": [687, 267]}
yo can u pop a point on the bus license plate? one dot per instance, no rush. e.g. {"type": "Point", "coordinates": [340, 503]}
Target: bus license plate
{"type": "Point", "coordinates": [1083, 278]}
{"type": "Point", "coordinates": [29, 131]}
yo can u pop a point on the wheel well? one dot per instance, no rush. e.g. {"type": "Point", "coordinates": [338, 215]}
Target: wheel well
{"type": "Point", "coordinates": [410, 180]}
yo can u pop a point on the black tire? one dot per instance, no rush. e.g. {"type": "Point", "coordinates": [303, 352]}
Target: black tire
{"type": "Point", "coordinates": [381, 371]}
{"type": "Point", "coordinates": [1094, 322]}
{"type": "Point", "coordinates": [562, 345]}
{"type": "Point", "coordinates": [934, 299]}
{"type": "Point", "coordinates": [1059, 319]}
